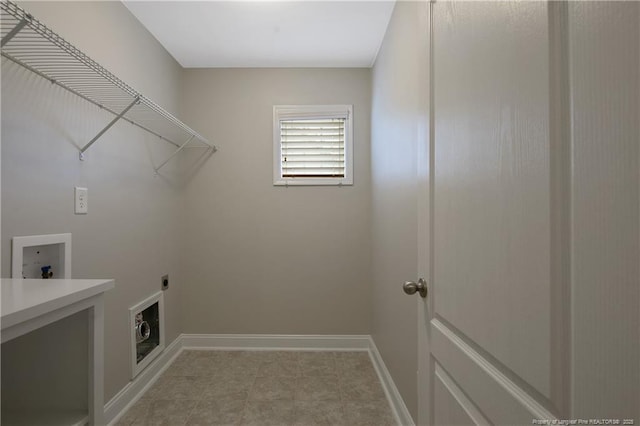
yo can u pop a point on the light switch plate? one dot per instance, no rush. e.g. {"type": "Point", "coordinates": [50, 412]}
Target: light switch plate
{"type": "Point", "coordinates": [82, 200]}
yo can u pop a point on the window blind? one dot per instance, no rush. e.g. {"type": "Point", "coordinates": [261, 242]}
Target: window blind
{"type": "Point", "coordinates": [312, 148]}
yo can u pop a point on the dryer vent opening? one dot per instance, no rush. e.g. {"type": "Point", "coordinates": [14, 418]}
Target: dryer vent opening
{"type": "Point", "coordinates": [147, 332]}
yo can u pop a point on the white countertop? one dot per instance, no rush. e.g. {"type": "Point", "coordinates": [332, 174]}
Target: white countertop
{"type": "Point", "coordinates": [24, 299]}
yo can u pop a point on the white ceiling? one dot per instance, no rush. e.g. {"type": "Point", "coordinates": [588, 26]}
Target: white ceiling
{"type": "Point", "coordinates": [300, 33]}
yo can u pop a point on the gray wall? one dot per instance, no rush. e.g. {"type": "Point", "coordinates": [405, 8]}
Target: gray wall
{"type": "Point", "coordinates": [255, 258]}
{"type": "Point", "coordinates": [130, 233]}
{"type": "Point", "coordinates": [265, 259]}
{"type": "Point", "coordinates": [399, 131]}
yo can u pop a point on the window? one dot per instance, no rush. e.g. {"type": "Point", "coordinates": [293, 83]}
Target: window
{"type": "Point", "coordinates": [312, 145]}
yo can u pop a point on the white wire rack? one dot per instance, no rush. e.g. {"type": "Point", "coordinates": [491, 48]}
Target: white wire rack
{"type": "Point", "coordinates": [29, 43]}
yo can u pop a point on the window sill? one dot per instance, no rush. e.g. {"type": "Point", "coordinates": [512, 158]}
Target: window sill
{"type": "Point", "coordinates": [313, 182]}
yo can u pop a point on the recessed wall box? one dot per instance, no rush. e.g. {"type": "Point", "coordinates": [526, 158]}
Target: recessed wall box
{"type": "Point", "coordinates": [41, 256]}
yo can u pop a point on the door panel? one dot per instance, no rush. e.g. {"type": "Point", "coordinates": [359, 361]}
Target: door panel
{"type": "Point", "coordinates": [492, 188]}
{"type": "Point", "coordinates": [451, 405]}
{"type": "Point", "coordinates": [533, 228]}
{"type": "Point", "coordinates": [494, 296]}
{"type": "Point", "coordinates": [498, 397]}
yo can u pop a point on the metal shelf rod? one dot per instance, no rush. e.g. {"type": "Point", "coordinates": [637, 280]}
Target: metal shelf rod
{"type": "Point", "coordinates": [80, 95]}
{"type": "Point", "coordinates": [108, 126]}
{"type": "Point", "coordinates": [35, 47]}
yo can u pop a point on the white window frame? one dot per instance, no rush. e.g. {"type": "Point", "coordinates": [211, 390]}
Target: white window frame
{"type": "Point", "coordinates": [312, 112]}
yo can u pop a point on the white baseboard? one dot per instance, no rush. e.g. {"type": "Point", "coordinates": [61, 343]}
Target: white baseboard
{"type": "Point", "coordinates": [273, 342]}
{"type": "Point", "coordinates": [128, 396]}
{"type": "Point", "coordinates": [400, 411]}
{"type": "Point", "coordinates": [133, 390]}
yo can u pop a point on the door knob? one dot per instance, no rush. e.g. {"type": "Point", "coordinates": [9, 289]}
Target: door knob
{"type": "Point", "coordinates": [411, 287]}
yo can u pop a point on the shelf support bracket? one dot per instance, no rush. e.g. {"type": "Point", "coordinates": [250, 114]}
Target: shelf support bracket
{"type": "Point", "coordinates": [13, 32]}
{"type": "Point", "coordinates": [108, 126]}
{"type": "Point", "coordinates": [180, 148]}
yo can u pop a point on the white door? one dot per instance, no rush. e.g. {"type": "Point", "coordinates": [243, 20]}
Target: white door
{"type": "Point", "coordinates": [531, 243]}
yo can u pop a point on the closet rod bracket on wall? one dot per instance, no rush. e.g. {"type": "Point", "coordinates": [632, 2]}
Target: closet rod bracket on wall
{"type": "Point", "coordinates": [118, 117]}
{"type": "Point", "coordinates": [15, 30]}
{"type": "Point", "coordinates": [180, 148]}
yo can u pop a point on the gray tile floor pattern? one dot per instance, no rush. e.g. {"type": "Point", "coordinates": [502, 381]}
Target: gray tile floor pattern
{"type": "Point", "coordinates": [263, 388]}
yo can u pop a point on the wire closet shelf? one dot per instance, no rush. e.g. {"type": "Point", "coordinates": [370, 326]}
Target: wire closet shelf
{"type": "Point", "coordinates": [29, 43]}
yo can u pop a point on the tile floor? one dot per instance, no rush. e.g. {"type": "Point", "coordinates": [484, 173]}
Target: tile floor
{"type": "Point", "coordinates": [264, 388]}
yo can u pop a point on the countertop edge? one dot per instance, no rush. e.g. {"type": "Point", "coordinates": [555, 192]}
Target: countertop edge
{"type": "Point", "coordinates": [49, 305]}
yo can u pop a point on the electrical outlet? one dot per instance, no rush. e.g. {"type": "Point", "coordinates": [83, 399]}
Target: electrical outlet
{"type": "Point", "coordinates": [81, 200]}
{"type": "Point", "coordinates": [165, 282]}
